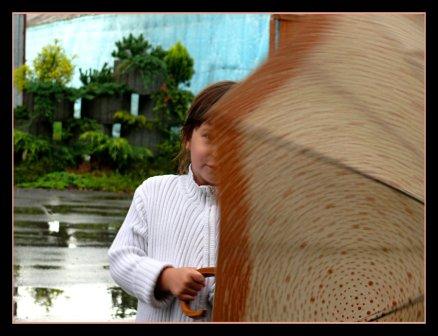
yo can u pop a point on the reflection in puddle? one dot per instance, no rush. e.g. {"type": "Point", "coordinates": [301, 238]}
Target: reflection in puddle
{"type": "Point", "coordinates": [61, 272]}
{"type": "Point", "coordinates": [61, 234]}
{"type": "Point", "coordinates": [28, 211]}
{"type": "Point", "coordinates": [53, 226]}
{"type": "Point", "coordinates": [45, 296]}
{"type": "Point", "coordinates": [45, 267]}
{"type": "Point", "coordinates": [88, 302]}
{"type": "Point", "coordinates": [124, 305]}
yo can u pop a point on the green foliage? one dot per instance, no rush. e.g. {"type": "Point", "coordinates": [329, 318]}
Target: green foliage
{"type": "Point", "coordinates": [29, 171]}
{"type": "Point", "coordinates": [159, 52]}
{"type": "Point", "coordinates": [131, 46]}
{"type": "Point", "coordinates": [115, 153]}
{"type": "Point", "coordinates": [94, 90]}
{"type": "Point", "coordinates": [53, 65]}
{"type": "Point", "coordinates": [104, 75]}
{"type": "Point", "coordinates": [22, 75]}
{"type": "Point", "coordinates": [52, 70]}
{"type": "Point", "coordinates": [57, 131]}
{"type": "Point", "coordinates": [28, 147]}
{"type": "Point", "coordinates": [165, 160]}
{"type": "Point", "coordinates": [21, 112]}
{"type": "Point", "coordinates": [151, 68]}
{"type": "Point", "coordinates": [179, 64]}
{"type": "Point", "coordinates": [119, 150]}
{"type": "Point", "coordinates": [93, 140]}
{"type": "Point", "coordinates": [42, 163]}
{"type": "Point", "coordinates": [106, 181]}
{"type": "Point", "coordinates": [34, 156]}
{"type": "Point", "coordinates": [47, 95]}
{"type": "Point", "coordinates": [99, 83]}
{"type": "Point", "coordinates": [46, 296]}
{"type": "Point", "coordinates": [130, 122]}
{"type": "Point", "coordinates": [170, 106]}
{"type": "Point", "coordinates": [136, 53]}
{"type": "Point", "coordinates": [75, 127]}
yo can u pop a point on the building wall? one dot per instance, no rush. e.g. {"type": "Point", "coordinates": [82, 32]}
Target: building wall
{"type": "Point", "coordinates": [18, 21]}
{"type": "Point", "coordinates": [224, 46]}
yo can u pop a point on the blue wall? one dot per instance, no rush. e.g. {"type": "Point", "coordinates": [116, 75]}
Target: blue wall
{"type": "Point", "coordinates": [224, 46]}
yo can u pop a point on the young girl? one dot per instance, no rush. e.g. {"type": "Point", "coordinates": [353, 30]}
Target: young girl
{"type": "Point", "coordinates": [171, 228]}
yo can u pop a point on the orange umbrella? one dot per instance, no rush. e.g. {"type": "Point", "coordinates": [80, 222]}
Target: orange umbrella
{"type": "Point", "coordinates": [321, 185]}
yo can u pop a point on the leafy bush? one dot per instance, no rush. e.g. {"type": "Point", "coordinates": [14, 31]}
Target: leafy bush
{"type": "Point", "coordinates": [131, 46]}
{"type": "Point", "coordinates": [179, 64]}
{"type": "Point", "coordinates": [53, 65]}
{"type": "Point", "coordinates": [47, 95]}
{"type": "Point", "coordinates": [75, 127]}
{"type": "Point", "coordinates": [99, 83]}
{"type": "Point", "coordinates": [22, 75]}
{"type": "Point", "coordinates": [137, 53]}
{"type": "Point", "coordinates": [34, 156]}
{"type": "Point", "coordinates": [130, 122]}
{"type": "Point", "coordinates": [84, 144]}
{"type": "Point", "coordinates": [28, 147]}
{"type": "Point", "coordinates": [106, 181]}
{"type": "Point", "coordinates": [21, 112]}
{"type": "Point", "coordinates": [165, 159]}
{"type": "Point", "coordinates": [52, 70]}
{"type": "Point", "coordinates": [104, 75]}
{"type": "Point", "coordinates": [107, 152]}
{"type": "Point", "coordinates": [170, 106]}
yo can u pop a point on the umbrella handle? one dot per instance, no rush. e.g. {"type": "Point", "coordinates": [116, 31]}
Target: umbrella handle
{"type": "Point", "coordinates": [185, 307]}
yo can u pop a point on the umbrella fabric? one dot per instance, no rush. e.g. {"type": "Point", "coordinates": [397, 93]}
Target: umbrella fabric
{"type": "Point", "coordinates": [321, 179]}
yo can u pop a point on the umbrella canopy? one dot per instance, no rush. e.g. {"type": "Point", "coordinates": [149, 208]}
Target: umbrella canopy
{"type": "Point", "coordinates": [321, 179]}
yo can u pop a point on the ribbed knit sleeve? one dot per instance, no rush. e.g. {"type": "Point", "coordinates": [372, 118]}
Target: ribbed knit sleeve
{"type": "Point", "coordinates": [211, 293]}
{"type": "Point", "coordinates": [130, 267]}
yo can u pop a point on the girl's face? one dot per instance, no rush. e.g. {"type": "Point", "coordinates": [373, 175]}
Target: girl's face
{"type": "Point", "coordinates": [202, 155]}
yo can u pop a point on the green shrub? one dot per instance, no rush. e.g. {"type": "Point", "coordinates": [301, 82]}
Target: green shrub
{"type": "Point", "coordinates": [137, 53]}
{"type": "Point", "coordinates": [104, 75]}
{"type": "Point", "coordinates": [179, 64]}
{"type": "Point", "coordinates": [53, 65]}
{"type": "Point", "coordinates": [28, 147]}
{"type": "Point", "coordinates": [75, 127]}
{"type": "Point", "coordinates": [34, 155]}
{"type": "Point", "coordinates": [130, 122]}
{"type": "Point", "coordinates": [131, 46]}
{"type": "Point", "coordinates": [22, 75]}
{"type": "Point", "coordinates": [116, 153]}
{"type": "Point", "coordinates": [46, 96]}
{"type": "Point", "coordinates": [21, 112]}
{"type": "Point", "coordinates": [42, 163]}
{"type": "Point", "coordinates": [101, 82]}
{"type": "Point", "coordinates": [106, 181]}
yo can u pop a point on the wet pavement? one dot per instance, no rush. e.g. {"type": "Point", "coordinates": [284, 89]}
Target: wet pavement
{"type": "Point", "coordinates": [61, 271]}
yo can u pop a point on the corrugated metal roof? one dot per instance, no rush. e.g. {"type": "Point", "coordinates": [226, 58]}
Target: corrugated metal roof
{"type": "Point", "coordinates": [35, 19]}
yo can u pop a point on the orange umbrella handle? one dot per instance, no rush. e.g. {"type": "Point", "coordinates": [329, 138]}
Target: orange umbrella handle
{"type": "Point", "coordinates": [206, 272]}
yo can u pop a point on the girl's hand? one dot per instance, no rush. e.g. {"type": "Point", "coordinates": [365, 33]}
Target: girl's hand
{"type": "Point", "coordinates": [184, 282]}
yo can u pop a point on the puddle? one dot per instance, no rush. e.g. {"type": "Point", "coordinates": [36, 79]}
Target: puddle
{"type": "Point", "coordinates": [94, 210]}
{"type": "Point", "coordinates": [45, 267]}
{"type": "Point", "coordinates": [61, 269]}
{"type": "Point", "coordinates": [28, 233]}
{"type": "Point", "coordinates": [76, 303]}
{"type": "Point", "coordinates": [28, 211]}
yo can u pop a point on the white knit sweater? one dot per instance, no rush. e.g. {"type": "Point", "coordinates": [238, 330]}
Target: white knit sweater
{"type": "Point", "coordinates": [171, 221]}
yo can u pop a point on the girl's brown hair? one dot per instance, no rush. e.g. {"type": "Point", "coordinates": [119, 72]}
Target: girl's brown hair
{"type": "Point", "coordinates": [196, 116]}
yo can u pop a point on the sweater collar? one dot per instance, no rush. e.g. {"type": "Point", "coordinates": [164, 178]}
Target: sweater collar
{"type": "Point", "coordinates": [195, 190]}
